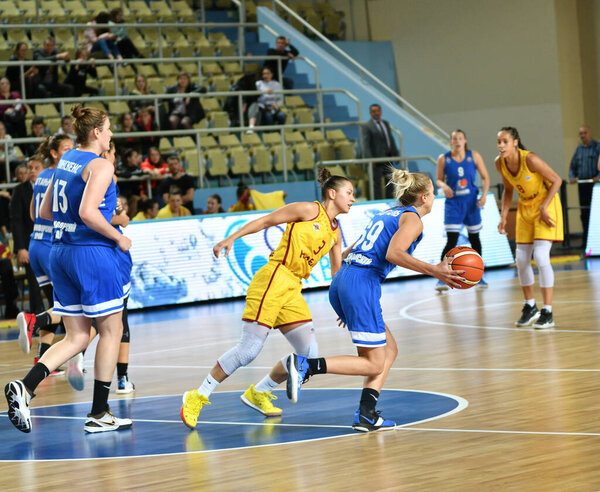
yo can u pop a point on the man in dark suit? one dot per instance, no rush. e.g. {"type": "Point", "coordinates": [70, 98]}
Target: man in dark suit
{"type": "Point", "coordinates": [22, 226]}
{"type": "Point", "coordinates": [378, 141]}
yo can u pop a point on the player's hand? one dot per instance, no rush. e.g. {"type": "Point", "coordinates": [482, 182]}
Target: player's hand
{"type": "Point", "coordinates": [340, 323]}
{"type": "Point", "coordinates": [502, 226]}
{"type": "Point", "coordinates": [124, 243]}
{"type": "Point", "coordinates": [448, 191]}
{"type": "Point", "coordinates": [481, 201]}
{"type": "Point", "coordinates": [226, 245]}
{"type": "Point", "coordinates": [572, 180]}
{"type": "Point", "coordinates": [22, 257]}
{"type": "Point", "coordinates": [452, 278]}
{"type": "Point", "coordinates": [595, 179]}
{"type": "Point", "coordinates": [545, 217]}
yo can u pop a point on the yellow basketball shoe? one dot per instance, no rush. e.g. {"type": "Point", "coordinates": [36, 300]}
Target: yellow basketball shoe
{"type": "Point", "coordinates": [261, 402]}
{"type": "Point", "coordinates": [192, 404]}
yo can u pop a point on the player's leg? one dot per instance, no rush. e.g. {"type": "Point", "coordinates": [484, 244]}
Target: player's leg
{"type": "Point", "coordinates": [453, 221]}
{"type": "Point", "coordinates": [124, 384]}
{"type": "Point", "coordinates": [474, 226]}
{"type": "Point", "coordinates": [541, 255]}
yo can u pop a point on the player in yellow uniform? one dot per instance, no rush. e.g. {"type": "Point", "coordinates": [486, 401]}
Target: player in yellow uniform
{"type": "Point", "coordinates": [539, 220]}
{"type": "Point", "coordinates": [274, 299]}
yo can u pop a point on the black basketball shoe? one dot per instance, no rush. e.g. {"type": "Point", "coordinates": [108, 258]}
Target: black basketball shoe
{"type": "Point", "coordinates": [528, 315]}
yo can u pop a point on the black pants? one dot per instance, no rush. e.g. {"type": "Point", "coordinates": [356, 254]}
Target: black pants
{"type": "Point", "coordinates": [585, 200]}
{"type": "Point", "coordinates": [36, 304]}
{"type": "Point", "coordinates": [381, 175]}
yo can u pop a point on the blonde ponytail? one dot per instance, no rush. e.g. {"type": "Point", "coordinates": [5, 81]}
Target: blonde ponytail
{"type": "Point", "coordinates": [409, 186]}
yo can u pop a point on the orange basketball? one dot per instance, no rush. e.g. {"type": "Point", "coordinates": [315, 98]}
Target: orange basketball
{"type": "Point", "coordinates": [466, 260]}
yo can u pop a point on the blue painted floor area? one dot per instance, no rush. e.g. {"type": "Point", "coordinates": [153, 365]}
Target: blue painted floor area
{"type": "Point", "coordinates": [321, 413]}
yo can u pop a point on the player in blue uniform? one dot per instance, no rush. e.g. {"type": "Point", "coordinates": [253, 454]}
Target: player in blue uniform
{"type": "Point", "coordinates": [50, 150]}
{"type": "Point", "coordinates": [81, 200]}
{"type": "Point", "coordinates": [456, 173]}
{"type": "Point", "coordinates": [355, 293]}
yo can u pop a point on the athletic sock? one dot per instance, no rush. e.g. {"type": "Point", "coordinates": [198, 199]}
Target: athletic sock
{"type": "Point", "coordinates": [547, 308]}
{"type": "Point", "coordinates": [208, 386]}
{"type": "Point", "coordinates": [531, 302]}
{"type": "Point", "coordinates": [122, 369]}
{"type": "Point", "coordinates": [100, 401]}
{"type": "Point", "coordinates": [42, 349]}
{"type": "Point", "coordinates": [266, 384]}
{"type": "Point", "coordinates": [317, 366]}
{"type": "Point", "coordinates": [368, 401]}
{"type": "Point", "coordinates": [42, 320]}
{"type": "Point", "coordinates": [35, 376]}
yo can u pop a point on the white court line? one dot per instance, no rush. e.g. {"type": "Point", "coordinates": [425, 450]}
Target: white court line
{"type": "Point", "coordinates": [489, 431]}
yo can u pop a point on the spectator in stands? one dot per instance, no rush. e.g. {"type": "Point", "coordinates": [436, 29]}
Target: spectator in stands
{"type": "Point", "coordinates": [184, 111]}
{"type": "Point", "coordinates": [378, 141]}
{"type": "Point", "coordinates": [48, 81]}
{"type": "Point", "coordinates": [174, 206]}
{"type": "Point", "coordinates": [22, 226]}
{"type": "Point", "coordinates": [5, 214]}
{"type": "Point", "coordinates": [148, 209]}
{"type": "Point", "coordinates": [141, 89]}
{"type": "Point", "coordinates": [154, 163]}
{"type": "Point", "coordinates": [124, 43]}
{"type": "Point", "coordinates": [246, 82]}
{"type": "Point", "coordinates": [130, 168]}
{"type": "Point", "coordinates": [127, 125]}
{"type": "Point", "coordinates": [13, 115]}
{"type": "Point", "coordinates": [180, 180]}
{"type": "Point", "coordinates": [66, 127]}
{"type": "Point", "coordinates": [21, 173]}
{"type": "Point", "coordinates": [77, 75]}
{"type": "Point", "coordinates": [287, 52]}
{"type": "Point", "coordinates": [101, 39]}
{"type": "Point", "coordinates": [266, 110]}
{"type": "Point", "coordinates": [12, 155]}
{"type": "Point", "coordinates": [243, 204]}
{"type": "Point", "coordinates": [13, 73]}
{"type": "Point", "coordinates": [213, 205]}
{"type": "Point", "coordinates": [38, 128]}
{"type": "Point", "coordinates": [145, 123]}
{"type": "Point", "coordinates": [9, 288]}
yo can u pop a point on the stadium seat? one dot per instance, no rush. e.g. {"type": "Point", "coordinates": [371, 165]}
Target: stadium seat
{"type": "Point", "coordinates": [277, 152]}
{"type": "Point", "coordinates": [191, 158]}
{"type": "Point", "coordinates": [184, 143]}
{"type": "Point", "coordinates": [216, 164]}
{"type": "Point", "coordinates": [118, 107]}
{"type": "Point", "coordinates": [229, 141]}
{"type": "Point", "coordinates": [261, 161]}
{"type": "Point", "coordinates": [240, 162]}
{"type": "Point", "coordinates": [46, 111]}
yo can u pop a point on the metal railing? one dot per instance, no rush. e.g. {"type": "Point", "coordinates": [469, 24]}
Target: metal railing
{"type": "Point", "coordinates": [366, 162]}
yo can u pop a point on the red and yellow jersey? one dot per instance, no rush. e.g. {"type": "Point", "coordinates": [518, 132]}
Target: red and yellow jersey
{"type": "Point", "coordinates": [304, 243]}
{"type": "Point", "coordinates": [531, 186]}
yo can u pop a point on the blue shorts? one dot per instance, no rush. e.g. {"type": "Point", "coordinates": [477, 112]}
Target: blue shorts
{"type": "Point", "coordinates": [87, 280]}
{"type": "Point", "coordinates": [125, 264]}
{"type": "Point", "coordinates": [462, 210]}
{"type": "Point", "coordinates": [355, 294]}
{"type": "Point", "coordinates": [39, 259]}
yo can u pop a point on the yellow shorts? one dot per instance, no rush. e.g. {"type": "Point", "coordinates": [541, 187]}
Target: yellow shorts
{"type": "Point", "coordinates": [529, 227]}
{"type": "Point", "coordinates": [274, 298]}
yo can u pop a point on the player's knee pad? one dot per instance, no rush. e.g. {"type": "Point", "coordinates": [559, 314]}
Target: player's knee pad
{"type": "Point", "coordinates": [541, 255]}
{"type": "Point", "coordinates": [250, 344]}
{"type": "Point", "coordinates": [523, 259]}
{"type": "Point", "coordinates": [304, 341]}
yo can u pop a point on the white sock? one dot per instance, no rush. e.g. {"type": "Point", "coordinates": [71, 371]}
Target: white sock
{"type": "Point", "coordinates": [266, 384]}
{"type": "Point", "coordinates": [208, 386]}
{"type": "Point", "coordinates": [547, 308]}
{"type": "Point", "coordinates": [531, 302]}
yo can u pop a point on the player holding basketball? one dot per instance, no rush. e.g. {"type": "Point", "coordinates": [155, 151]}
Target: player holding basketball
{"type": "Point", "coordinates": [456, 172]}
{"type": "Point", "coordinates": [87, 282]}
{"type": "Point", "coordinates": [274, 299]}
{"type": "Point", "coordinates": [539, 220]}
{"type": "Point", "coordinates": [355, 294]}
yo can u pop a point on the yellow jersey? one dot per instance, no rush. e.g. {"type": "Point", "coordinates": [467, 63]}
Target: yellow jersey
{"type": "Point", "coordinates": [304, 243]}
{"type": "Point", "coordinates": [531, 186]}
{"type": "Point", "coordinates": [167, 213]}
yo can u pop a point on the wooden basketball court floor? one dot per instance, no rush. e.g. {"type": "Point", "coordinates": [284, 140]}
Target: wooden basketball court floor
{"type": "Point", "coordinates": [485, 405]}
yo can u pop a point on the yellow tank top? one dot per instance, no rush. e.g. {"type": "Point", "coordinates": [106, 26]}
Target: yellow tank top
{"type": "Point", "coordinates": [531, 186]}
{"type": "Point", "coordinates": [304, 243]}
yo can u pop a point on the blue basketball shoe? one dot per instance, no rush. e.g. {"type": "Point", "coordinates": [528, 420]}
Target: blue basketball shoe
{"type": "Point", "coordinates": [297, 367]}
{"type": "Point", "coordinates": [370, 423]}
{"type": "Point", "coordinates": [482, 283]}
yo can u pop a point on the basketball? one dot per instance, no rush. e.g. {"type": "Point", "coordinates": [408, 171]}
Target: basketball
{"type": "Point", "coordinates": [467, 260]}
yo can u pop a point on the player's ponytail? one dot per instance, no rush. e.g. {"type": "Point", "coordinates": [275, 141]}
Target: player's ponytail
{"type": "Point", "coordinates": [514, 133]}
{"type": "Point", "coordinates": [409, 186]}
{"type": "Point", "coordinates": [329, 182]}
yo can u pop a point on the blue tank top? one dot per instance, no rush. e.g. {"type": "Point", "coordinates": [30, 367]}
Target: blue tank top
{"type": "Point", "coordinates": [460, 176]}
{"type": "Point", "coordinates": [42, 228]}
{"type": "Point", "coordinates": [66, 200]}
{"type": "Point", "coordinates": [371, 248]}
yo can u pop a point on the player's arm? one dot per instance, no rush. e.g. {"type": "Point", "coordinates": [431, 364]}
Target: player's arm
{"type": "Point", "coordinates": [409, 229]}
{"type": "Point", "coordinates": [31, 214]}
{"type": "Point", "coordinates": [507, 195]}
{"type": "Point", "coordinates": [99, 174]}
{"type": "Point", "coordinates": [335, 255]}
{"type": "Point", "coordinates": [440, 178]}
{"type": "Point", "coordinates": [294, 212]}
{"type": "Point", "coordinates": [46, 205]}
{"type": "Point", "coordinates": [485, 177]}
{"type": "Point", "coordinates": [537, 165]}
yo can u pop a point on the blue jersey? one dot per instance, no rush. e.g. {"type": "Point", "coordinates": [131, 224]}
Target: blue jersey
{"type": "Point", "coordinates": [42, 228]}
{"type": "Point", "coordinates": [460, 176]}
{"type": "Point", "coordinates": [371, 248]}
{"type": "Point", "coordinates": [67, 193]}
